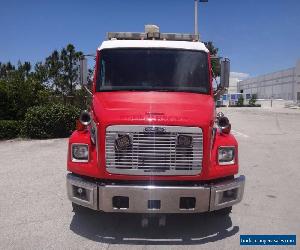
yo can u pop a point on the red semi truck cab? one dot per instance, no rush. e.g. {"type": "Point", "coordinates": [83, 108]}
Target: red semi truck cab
{"type": "Point", "coordinates": [152, 142]}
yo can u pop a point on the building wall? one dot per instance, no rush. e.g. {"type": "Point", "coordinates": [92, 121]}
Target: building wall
{"type": "Point", "coordinates": [232, 87]}
{"type": "Point", "coordinates": [282, 84]}
{"type": "Point", "coordinates": [297, 83]}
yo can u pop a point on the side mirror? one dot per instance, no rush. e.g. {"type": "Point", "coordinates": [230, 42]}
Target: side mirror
{"type": "Point", "coordinates": [225, 73]}
{"type": "Point", "coordinates": [83, 71]}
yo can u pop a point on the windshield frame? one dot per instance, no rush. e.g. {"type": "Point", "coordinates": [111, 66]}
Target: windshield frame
{"type": "Point", "coordinates": [99, 88]}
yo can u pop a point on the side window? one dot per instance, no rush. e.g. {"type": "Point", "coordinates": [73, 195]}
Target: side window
{"type": "Point", "coordinates": [102, 72]}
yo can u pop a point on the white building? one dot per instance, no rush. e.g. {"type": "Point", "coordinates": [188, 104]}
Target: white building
{"type": "Point", "coordinates": [284, 84]}
{"type": "Point", "coordinates": [232, 87]}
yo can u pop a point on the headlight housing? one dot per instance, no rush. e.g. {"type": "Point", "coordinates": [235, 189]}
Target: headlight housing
{"type": "Point", "coordinates": [226, 155]}
{"type": "Point", "coordinates": [80, 152]}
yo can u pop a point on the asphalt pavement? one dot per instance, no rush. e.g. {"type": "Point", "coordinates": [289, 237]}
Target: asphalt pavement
{"type": "Point", "coordinates": [36, 214]}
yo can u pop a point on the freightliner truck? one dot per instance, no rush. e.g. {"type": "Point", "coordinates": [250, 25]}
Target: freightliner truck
{"type": "Point", "coordinates": [151, 141]}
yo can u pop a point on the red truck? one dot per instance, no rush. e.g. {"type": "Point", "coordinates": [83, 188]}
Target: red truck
{"type": "Point", "coordinates": [152, 142]}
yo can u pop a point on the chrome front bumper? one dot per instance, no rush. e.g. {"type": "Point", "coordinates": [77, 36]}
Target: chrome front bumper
{"type": "Point", "coordinates": [155, 199]}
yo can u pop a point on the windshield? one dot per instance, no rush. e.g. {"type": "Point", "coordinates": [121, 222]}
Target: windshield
{"type": "Point", "coordinates": [153, 69]}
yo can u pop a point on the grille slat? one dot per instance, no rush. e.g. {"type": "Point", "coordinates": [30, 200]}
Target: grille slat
{"type": "Point", "coordinates": [157, 157]}
{"type": "Point", "coordinates": [111, 153]}
{"type": "Point", "coordinates": [157, 150]}
{"type": "Point", "coordinates": [154, 153]}
{"type": "Point", "coordinates": [153, 164]}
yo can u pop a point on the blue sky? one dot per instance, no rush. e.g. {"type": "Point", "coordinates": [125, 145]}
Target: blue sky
{"type": "Point", "coordinates": [259, 36]}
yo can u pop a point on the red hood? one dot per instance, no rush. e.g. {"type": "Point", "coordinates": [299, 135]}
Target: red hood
{"type": "Point", "coordinates": [161, 108]}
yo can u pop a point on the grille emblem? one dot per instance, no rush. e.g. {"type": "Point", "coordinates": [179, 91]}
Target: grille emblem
{"type": "Point", "coordinates": [154, 129]}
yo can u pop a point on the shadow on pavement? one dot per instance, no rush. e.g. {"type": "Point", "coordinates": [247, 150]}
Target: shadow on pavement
{"type": "Point", "coordinates": [186, 229]}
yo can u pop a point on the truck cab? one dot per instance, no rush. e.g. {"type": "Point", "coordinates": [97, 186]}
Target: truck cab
{"type": "Point", "coordinates": [151, 141]}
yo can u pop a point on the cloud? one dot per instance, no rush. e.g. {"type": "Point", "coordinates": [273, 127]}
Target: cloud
{"type": "Point", "coordinates": [237, 76]}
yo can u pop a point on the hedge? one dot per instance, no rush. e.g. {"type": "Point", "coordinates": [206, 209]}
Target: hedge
{"type": "Point", "coordinates": [50, 121]}
{"type": "Point", "coordinates": [9, 129]}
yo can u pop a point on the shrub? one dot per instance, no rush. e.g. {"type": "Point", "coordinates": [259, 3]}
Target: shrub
{"type": "Point", "coordinates": [252, 101]}
{"type": "Point", "coordinates": [50, 121]}
{"type": "Point", "coordinates": [240, 101]}
{"type": "Point", "coordinates": [9, 129]}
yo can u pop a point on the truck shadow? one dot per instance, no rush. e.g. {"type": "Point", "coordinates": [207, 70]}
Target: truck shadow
{"type": "Point", "coordinates": [126, 228]}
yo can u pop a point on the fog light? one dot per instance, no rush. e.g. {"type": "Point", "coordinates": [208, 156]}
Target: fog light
{"type": "Point", "coordinates": [187, 203]}
{"type": "Point", "coordinates": [120, 202]}
{"type": "Point", "coordinates": [229, 195]}
{"type": "Point", "coordinates": [80, 193]}
{"type": "Point", "coordinates": [80, 152]}
{"type": "Point", "coordinates": [154, 204]}
{"type": "Point", "coordinates": [226, 155]}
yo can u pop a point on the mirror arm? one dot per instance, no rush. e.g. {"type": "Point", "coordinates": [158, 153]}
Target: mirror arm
{"type": "Point", "coordinates": [87, 90]}
{"type": "Point", "coordinates": [220, 91]}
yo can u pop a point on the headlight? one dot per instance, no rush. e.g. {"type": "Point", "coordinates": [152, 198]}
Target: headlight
{"type": "Point", "coordinates": [226, 155]}
{"type": "Point", "coordinates": [80, 153]}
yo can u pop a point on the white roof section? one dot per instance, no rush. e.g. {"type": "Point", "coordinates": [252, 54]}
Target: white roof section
{"type": "Point", "coordinates": [110, 44]}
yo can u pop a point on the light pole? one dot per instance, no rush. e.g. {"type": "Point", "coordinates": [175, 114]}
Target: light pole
{"type": "Point", "coordinates": [196, 14]}
{"type": "Point", "coordinates": [196, 17]}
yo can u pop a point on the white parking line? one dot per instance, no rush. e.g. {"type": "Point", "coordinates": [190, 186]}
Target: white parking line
{"type": "Point", "coordinates": [239, 134]}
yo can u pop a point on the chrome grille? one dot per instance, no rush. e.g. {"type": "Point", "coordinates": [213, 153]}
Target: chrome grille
{"type": "Point", "coordinates": [155, 152]}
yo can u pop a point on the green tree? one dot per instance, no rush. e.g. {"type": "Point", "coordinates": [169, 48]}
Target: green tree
{"type": "Point", "coordinates": [212, 49]}
{"type": "Point", "coordinates": [60, 70]}
{"type": "Point", "coordinates": [5, 68]}
{"type": "Point", "coordinates": [3, 101]}
{"type": "Point", "coordinates": [19, 90]}
{"type": "Point", "coordinates": [51, 72]}
{"type": "Point", "coordinates": [70, 59]}
{"type": "Point", "coordinates": [215, 61]}
{"type": "Point", "coordinates": [240, 101]}
{"type": "Point", "coordinates": [252, 100]}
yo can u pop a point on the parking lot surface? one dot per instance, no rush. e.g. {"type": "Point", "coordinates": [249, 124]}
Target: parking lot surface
{"type": "Point", "coordinates": [36, 214]}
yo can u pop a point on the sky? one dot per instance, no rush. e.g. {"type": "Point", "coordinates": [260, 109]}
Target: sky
{"type": "Point", "coordinates": [259, 36]}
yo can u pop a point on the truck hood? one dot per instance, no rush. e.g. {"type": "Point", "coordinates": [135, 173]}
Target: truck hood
{"type": "Point", "coordinates": [161, 108]}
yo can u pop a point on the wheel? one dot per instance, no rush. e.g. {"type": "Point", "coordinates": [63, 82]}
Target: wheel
{"type": "Point", "coordinates": [224, 211]}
